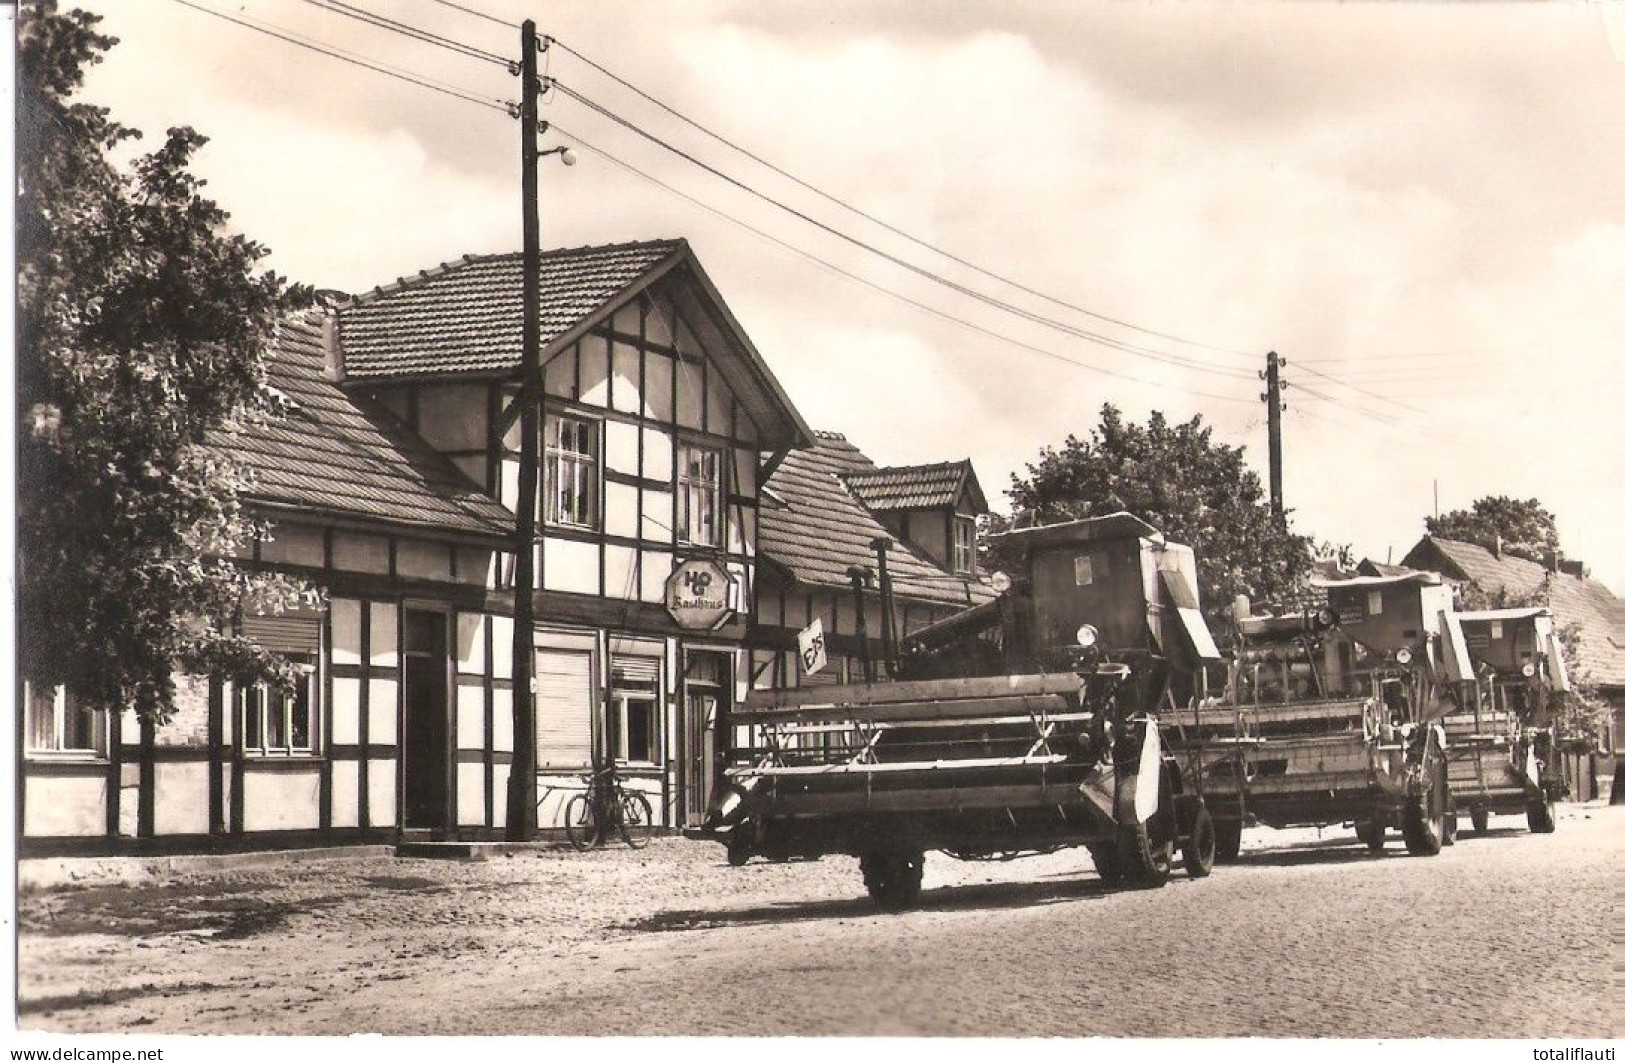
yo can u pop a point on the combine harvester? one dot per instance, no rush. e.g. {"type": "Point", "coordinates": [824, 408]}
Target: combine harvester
{"type": "Point", "coordinates": [1503, 745]}
{"type": "Point", "coordinates": [1333, 717]}
{"type": "Point", "coordinates": [1027, 724]}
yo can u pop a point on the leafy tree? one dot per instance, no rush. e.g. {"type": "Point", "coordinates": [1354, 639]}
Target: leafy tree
{"type": "Point", "coordinates": [1176, 477]}
{"type": "Point", "coordinates": [142, 328]}
{"type": "Point", "coordinates": [1521, 527]}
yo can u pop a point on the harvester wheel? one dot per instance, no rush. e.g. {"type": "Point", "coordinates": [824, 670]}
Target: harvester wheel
{"type": "Point", "coordinates": [1147, 863]}
{"type": "Point", "coordinates": [739, 848]}
{"type": "Point", "coordinates": [1199, 847]}
{"type": "Point", "coordinates": [1449, 836]}
{"type": "Point", "coordinates": [1373, 832]}
{"type": "Point", "coordinates": [1541, 820]}
{"type": "Point", "coordinates": [1481, 821]}
{"type": "Point", "coordinates": [1227, 841]}
{"type": "Point", "coordinates": [1107, 864]}
{"type": "Point", "coordinates": [1422, 823]}
{"type": "Point", "coordinates": [893, 878]}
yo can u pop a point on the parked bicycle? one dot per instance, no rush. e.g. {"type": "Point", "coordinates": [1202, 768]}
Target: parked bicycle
{"type": "Point", "coordinates": [605, 808]}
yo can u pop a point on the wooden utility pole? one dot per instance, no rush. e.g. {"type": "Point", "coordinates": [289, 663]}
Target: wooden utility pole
{"type": "Point", "coordinates": [1272, 396]}
{"type": "Point", "coordinates": [521, 819]}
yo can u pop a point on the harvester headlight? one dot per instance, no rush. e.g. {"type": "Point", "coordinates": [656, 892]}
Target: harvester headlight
{"type": "Point", "coordinates": [1529, 670]}
{"type": "Point", "coordinates": [1326, 617]}
{"type": "Point", "coordinates": [1087, 636]}
{"type": "Point", "coordinates": [1403, 655]}
{"type": "Point", "coordinates": [999, 582]}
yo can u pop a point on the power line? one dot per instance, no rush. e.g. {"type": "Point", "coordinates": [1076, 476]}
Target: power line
{"type": "Point", "coordinates": [423, 83]}
{"type": "Point", "coordinates": [952, 285]}
{"type": "Point", "coordinates": [339, 7]}
{"type": "Point", "coordinates": [347, 57]}
{"type": "Point", "coordinates": [477, 14]}
{"type": "Point", "coordinates": [843, 204]}
{"type": "Point", "coordinates": [786, 245]}
{"type": "Point", "coordinates": [1363, 391]}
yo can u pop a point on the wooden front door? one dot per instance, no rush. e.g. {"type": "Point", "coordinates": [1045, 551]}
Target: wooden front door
{"type": "Point", "coordinates": [426, 738]}
{"type": "Point", "coordinates": [707, 682]}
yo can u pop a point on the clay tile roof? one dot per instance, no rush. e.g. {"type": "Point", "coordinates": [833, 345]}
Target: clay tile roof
{"type": "Point", "coordinates": [822, 529]}
{"type": "Point", "coordinates": [339, 455]}
{"type": "Point", "coordinates": [465, 316]}
{"type": "Point", "coordinates": [1573, 600]}
{"type": "Point", "coordinates": [916, 486]}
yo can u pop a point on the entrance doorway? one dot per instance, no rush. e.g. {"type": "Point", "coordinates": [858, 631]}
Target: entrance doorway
{"type": "Point", "coordinates": [426, 764]}
{"type": "Point", "coordinates": [707, 687]}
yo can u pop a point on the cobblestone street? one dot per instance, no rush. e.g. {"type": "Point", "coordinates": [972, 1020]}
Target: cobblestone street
{"type": "Point", "coordinates": [1507, 936]}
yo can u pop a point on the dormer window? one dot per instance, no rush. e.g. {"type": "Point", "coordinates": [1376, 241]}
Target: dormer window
{"type": "Point", "coordinates": [964, 558]}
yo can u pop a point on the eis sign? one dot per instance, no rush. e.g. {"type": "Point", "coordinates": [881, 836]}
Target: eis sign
{"type": "Point", "coordinates": [697, 595]}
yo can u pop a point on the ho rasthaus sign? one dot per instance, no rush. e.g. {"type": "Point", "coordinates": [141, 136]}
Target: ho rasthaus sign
{"type": "Point", "coordinates": [698, 594]}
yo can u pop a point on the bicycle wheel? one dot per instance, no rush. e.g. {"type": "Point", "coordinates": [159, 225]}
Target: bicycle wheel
{"type": "Point", "coordinates": [637, 819]}
{"type": "Point", "coordinates": [581, 822]}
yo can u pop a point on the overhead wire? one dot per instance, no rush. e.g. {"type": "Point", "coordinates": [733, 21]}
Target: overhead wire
{"type": "Point", "coordinates": [882, 223]}
{"type": "Point", "coordinates": [289, 37]}
{"type": "Point", "coordinates": [832, 267]}
{"type": "Point", "coordinates": [937, 278]}
{"type": "Point", "coordinates": [371, 18]}
{"type": "Point", "coordinates": [508, 108]}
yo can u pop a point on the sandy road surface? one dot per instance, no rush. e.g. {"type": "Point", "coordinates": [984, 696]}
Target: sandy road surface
{"type": "Point", "coordinates": [1502, 936]}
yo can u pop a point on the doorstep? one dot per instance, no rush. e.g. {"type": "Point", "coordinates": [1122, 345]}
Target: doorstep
{"type": "Point", "coordinates": [455, 850]}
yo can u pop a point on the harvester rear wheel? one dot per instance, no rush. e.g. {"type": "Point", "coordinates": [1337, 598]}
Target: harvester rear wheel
{"type": "Point", "coordinates": [1422, 820]}
{"type": "Point", "coordinates": [1373, 832]}
{"type": "Point", "coordinates": [1541, 820]}
{"type": "Point", "coordinates": [1199, 847]}
{"type": "Point", "coordinates": [1227, 841]}
{"type": "Point", "coordinates": [1147, 863]}
{"type": "Point", "coordinates": [1107, 864]}
{"type": "Point", "coordinates": [893, 878]}
{"type": "Point", "coordinates": [1449, 835]}
{"type": "Point", "coordinates": [1481, 821]}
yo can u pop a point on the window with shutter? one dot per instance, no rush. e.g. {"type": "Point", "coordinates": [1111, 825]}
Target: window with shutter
{"type": "Point", "coordinates": [564, 701]}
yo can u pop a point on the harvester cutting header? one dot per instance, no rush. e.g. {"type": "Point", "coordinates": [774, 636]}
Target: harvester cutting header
{"type": "Point", "coordinates": [1090, 705]}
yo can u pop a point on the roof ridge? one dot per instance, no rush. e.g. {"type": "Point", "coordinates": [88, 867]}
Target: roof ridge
{"type": "Point", "coordinates": [402, 283]}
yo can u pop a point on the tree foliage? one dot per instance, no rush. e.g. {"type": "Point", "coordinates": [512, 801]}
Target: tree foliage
{"type": "Point", "coordinates": [1521, 527]}
{"type": "Point", "coordinates": [1194, 490]}
{"type": "Point", "coordinates": [142, 327]}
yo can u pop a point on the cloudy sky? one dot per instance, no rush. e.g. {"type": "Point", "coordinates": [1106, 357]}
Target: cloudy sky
{"type": "Point", "coordinates": [1421, 207]}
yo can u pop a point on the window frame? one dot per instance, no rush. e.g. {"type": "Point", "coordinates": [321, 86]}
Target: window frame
{"type": "Point", "coordinates": [685, 484]}
{"type": "Point", "coordinates": [257, 697]}
{"type": "Point", "coordinates": [554, 456]}
{"type": "Point", "coordinates": [62, 705]}
{"type": "Point", "coordinates": [621, 696]}
{"type": "Point", "coordinates": [968, 547]}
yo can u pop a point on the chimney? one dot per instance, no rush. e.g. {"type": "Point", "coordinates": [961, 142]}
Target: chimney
{"type": "Point", "coordinates": [1496, 549]}
{"type": "Point", "coordinates": [330, 346]}
{"type": "Point", "coordinates": [1573, 567]}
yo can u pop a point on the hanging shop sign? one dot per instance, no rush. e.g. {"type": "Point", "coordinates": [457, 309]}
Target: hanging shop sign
{"type": "Point", "coordinates": [698, 595]}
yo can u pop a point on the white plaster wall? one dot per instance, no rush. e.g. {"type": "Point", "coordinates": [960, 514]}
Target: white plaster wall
{"type": "Point", "coordinates": [181, 798]}
{"type": "Point", "coordinates": [345, 616]}
{"type": "Point", "coordinates": [345, 710]}
{"type": "Point", "coordinates": [346, 793]}
{"type": "Point", "coordinates": [65, 806]}
{"type": "Point", "coordinates": [381, 792]}
{"type": "Point", "coordinates": [471, 794]}
{"type": "Point", "coordinates": [570, 566]}
{"type": "Point", "coordinates": [281, 799]}
{"type": "Point", "coordinates": [381, 711]}
{"type": "Point", "coordinates": [620, 577]}
{"type": "Point", "coordinates": [470, 714]}
{"type": "Point", "coordinates": [359, 552]}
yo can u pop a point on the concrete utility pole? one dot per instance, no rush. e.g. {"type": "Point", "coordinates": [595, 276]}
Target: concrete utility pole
{"type": "Point", "coordinates": [1272, 396]}
{"type": "Point", "coordinates": [521, 819]}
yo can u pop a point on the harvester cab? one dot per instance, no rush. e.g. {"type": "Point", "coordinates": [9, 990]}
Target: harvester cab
{"type": "Point", "coordinates": [1507, 734]}
{"type": "Point", "coordinates": [1408, 640]}
{"type": "Point", "coordinates": [1107, 596]}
